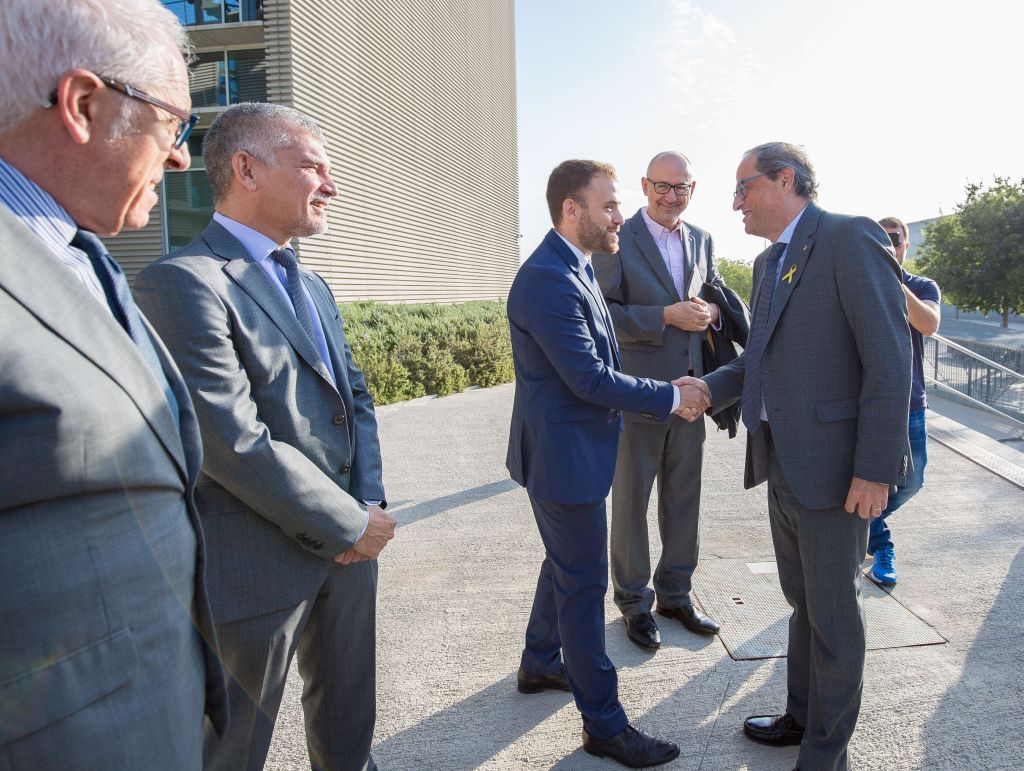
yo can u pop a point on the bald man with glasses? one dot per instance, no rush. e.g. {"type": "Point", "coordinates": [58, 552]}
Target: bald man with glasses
{"type": "Point", "coordinates": [655, 287]}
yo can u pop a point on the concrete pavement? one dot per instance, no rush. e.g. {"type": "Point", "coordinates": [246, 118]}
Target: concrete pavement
{"type": "Point", "coordinates": [457, 582]}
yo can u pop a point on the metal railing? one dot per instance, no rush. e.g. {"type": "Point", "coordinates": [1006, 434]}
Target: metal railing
{"type": "Point", "coordinates": [955, 368]}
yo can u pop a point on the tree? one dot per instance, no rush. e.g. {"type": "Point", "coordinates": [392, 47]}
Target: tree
{"type": "Point", "coordinates": [739, 277]}
{"type": "Point", "coordinates": [977, 253]}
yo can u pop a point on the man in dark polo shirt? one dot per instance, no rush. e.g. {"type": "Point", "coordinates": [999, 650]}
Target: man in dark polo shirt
{"type": "Point", "coordinates": [923, 313]}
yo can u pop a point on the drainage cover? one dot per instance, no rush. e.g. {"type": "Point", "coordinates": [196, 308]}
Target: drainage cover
{"type": "Point", "coordinates": [746, 599]}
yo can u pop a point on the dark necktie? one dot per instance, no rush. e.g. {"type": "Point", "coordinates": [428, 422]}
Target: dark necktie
{"type": "Point", "coordinates": [286, 259]}
{"type": "Point", "coordinates": [119, 298]}
{"type": "Point", "coordinates": [751, 409]}
{"type": "Point", "coordinates": [605, 316]}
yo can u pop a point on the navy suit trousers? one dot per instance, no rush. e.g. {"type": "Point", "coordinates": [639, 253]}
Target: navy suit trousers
{"type": "Point", "coordinates": [568, 611]}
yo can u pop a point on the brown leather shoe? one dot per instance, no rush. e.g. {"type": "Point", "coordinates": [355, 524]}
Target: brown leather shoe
{"type": "Point", "coordinates": [777, 730]}
{"type": "Point", "coordinates": [631, 748]}
{"type": "Point", "coordinates": [691, 619]}
{"type": "Point", "coordinates": [529, 682]}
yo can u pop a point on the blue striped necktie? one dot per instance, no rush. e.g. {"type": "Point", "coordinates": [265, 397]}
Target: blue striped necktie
{"type": "Point", "coordinates": [286, 259]}
{"type": "Point", "coordinates": [751, 407]}
{"type": "Point", "coordinates": [119, 298]}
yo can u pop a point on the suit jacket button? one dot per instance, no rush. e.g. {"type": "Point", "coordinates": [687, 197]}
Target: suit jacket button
{"type": "Point", "coordinates": [339, 419]}
{"type": "Point", "coordinates": [346, 468]}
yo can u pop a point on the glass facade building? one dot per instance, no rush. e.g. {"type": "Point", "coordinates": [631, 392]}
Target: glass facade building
{"type": "Point", "coordinates": [414, 90]}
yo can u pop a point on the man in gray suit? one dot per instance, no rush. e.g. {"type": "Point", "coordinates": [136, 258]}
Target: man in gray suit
{"type": "Point", "coordinates": [290, 491]}
{"type": "Point", "coordinates": [107, 652]}
{"type": "Point", "coordinates": [654, 286]}
{"type": "Point", "coordinates": [825, 383]}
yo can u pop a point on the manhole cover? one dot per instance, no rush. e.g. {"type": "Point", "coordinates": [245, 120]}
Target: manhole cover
{"type": "Point", "coordinates": [744, 596]}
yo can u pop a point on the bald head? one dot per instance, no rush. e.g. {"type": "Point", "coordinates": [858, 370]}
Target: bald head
{"type": "Point", "coordinates": [669, 186]}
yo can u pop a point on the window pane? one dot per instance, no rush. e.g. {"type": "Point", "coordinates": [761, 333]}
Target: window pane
{"type": "Point", "coordinates": [195, 149]}
{"type": "Point", "coordinates": [189, 206]}
{"type": "Point", "coordinates": [185, 10]}
{"type": "Point", "coordinates": [248, 75]}
{"type": "Point", "coordinates": [207, 84]}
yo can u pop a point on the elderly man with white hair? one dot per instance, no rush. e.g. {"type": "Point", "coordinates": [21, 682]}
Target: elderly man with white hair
{"type": "Point", "coordinates": [107, 653]}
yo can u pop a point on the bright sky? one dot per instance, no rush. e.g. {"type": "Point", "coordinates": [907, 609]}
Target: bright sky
{"type": "Point", "coordinates": [898, 102]}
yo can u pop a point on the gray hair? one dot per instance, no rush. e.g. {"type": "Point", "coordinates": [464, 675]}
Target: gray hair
{"type": "Point", "coordinates": [128, 40]}
{"type": "Point", "coordinates": [257, 128]}
{"type": "Point", "coordinates": [773, 157]}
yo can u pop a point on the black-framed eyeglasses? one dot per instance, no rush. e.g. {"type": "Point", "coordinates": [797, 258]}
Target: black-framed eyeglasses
{"type": "Point", "coordinates": [663, 187]}
{"type": "Point", "coordinates": [741, 186]}
{"type": "Point", "coordinates": [896, 238]}
{"type": "Point", "coordinates": [188, 120]}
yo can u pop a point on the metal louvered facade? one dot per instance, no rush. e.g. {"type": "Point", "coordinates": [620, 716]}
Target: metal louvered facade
{"type": "Point", "coordinates": [417, 99]}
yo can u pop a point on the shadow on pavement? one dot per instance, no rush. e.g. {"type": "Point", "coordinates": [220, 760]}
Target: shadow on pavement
{"type": "Point", "coordinates": [979, 717]}
{"type": "Point", "coordinates": [424, 509]}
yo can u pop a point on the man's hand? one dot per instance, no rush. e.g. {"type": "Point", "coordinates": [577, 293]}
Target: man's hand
{"type": "Point", "coordinates": [694, 398]}
{"type": "Point", "coordinates": [868, 499]}
{"type": "Point", "coordinates": [379, 530]}
{"type": "Point", "coordinates": [689, 315]}
{"type": "Point", "coordinates": [713, 311]}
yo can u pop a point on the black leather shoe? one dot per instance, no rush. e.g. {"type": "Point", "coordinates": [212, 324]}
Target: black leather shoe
{"type": "Point", "coordinates": [643, 631]}
{"type": "Point", "coordinates": [631, 748]}
{"type": "Point", "coordinates": [528, 682]}
{"type": "Point", "coordinates": [691, 619]}
{"type": "Point", "coordinates": [778, 730]}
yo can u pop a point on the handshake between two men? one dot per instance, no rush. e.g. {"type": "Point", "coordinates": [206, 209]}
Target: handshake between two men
{"type": "Point", "coordinates": [694, 397]}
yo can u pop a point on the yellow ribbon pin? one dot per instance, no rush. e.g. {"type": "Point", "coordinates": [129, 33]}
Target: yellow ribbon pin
{"type": "Point", "coordinates": [788, 278]}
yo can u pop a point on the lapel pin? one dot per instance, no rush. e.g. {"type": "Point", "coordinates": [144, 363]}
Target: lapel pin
{"type": "Point", "coordinates": [788, 278]}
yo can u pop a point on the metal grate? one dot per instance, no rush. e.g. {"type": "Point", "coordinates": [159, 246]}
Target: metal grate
{"type": "Point", "coordinates": [746, 599]}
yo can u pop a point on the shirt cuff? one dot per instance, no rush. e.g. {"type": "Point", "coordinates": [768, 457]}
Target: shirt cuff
{"type": "Point", "coordinates": [675, 398]}
{"type": "Point", "coordinates": [367, 522]}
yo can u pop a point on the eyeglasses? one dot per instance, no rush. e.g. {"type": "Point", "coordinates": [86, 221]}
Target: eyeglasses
{"type": "Point", "coordinates": [741, 186]}
{"type": "Point", "coordinates": [896, 238]}
{"type": "Point", "coordinates": [664, 187]}
{"type": "Point", "coordinates": [188, 120]}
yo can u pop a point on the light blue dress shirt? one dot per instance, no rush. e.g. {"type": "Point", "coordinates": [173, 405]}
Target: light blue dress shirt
{"type": "Point", "coordinates": [260, 248]}
{"type": "Point", "coordinates": [51, 224]}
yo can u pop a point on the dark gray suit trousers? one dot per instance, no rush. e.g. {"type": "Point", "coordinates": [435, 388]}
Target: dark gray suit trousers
{"type": "Point", "coordinates": [826, 659]}
{"type": "Point", "coordinates": [673, 452]}
{"type": "Point", "coordinates": [337, 668]}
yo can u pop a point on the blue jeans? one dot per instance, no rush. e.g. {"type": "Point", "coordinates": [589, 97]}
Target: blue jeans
{"type": "Point", "coordinates": [917, 431]}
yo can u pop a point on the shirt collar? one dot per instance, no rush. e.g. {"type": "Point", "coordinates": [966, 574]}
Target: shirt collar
{"type": "Point", "coordinates": [787, 235]}
{"type": "Point", "coordinates": [583, 259]}
{"type": "Point", "coordinates": [258, 245]}
{"type": "Point", "coordinates": [36, 208]}
{"type": "Point", "coordinates": [659, 231]}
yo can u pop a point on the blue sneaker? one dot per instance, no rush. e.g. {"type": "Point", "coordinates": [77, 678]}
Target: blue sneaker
{"type": "Point", "coordinates": [884, 570]}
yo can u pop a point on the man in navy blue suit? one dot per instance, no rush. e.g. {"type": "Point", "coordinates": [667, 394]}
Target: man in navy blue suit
{"type": "Point", "coordinates": [565, 429]}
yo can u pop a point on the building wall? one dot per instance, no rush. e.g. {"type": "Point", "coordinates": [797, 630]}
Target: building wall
{"type": "Point", "coordinates": [417, 99]}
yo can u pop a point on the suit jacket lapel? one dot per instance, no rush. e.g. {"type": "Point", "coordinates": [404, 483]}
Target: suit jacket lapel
{"type": "Point", "coordinates": [37, 279]}
{"type": "Point", "coordinates": [590, 291]}
{"type": "Point", "coordinates": [645, 245]}
{"type": "Point", "coordinates": [328, 312]}
{"type": "Point", "coordinates": [247, 273]}
{"type": "Point", "coordinates": [695, 284]}
{"type": "Point", "coordinates": [797, 254]}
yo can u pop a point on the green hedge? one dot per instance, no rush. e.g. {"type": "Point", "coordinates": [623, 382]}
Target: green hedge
{"type": "Point", "coordinates": [406, 351]}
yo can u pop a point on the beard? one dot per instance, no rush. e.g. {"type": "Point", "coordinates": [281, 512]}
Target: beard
{"type": "Point", "coordinates": [594, 238]}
